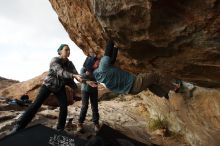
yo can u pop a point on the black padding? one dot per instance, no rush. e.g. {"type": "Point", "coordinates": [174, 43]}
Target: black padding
{"type": "Point", "coordinates": [40, 135]}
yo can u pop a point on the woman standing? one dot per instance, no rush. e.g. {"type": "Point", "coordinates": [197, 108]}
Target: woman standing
{"type": "Point", "coordinates": [61, 73]}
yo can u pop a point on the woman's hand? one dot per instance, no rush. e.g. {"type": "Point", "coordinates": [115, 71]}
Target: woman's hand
{"type": "Point", "coordinates": [78, 78]}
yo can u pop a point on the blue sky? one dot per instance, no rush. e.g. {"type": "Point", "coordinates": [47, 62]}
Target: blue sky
{"type": "Point", "coordinates": [30, 34]}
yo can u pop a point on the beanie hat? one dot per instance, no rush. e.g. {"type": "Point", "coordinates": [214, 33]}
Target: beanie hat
{"type": "Point", "coordinates": [61, 47]}
{"type": "Point", "coordinates": [89, 62]}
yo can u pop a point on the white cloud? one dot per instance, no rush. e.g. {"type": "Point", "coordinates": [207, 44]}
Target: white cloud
{"type": "Point", "coordinates": [30, 35]}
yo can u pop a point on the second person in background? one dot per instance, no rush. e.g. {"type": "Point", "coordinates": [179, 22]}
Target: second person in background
{"type": "Point", "coordinates": [88, 93]}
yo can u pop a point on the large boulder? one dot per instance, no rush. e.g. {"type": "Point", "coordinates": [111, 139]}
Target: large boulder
{"type": "Point", "coordinates": [196, 118]}
{"type": "Point", "coordinates": [177, 37]}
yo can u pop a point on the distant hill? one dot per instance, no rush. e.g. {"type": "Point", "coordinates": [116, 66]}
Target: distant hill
{"type": "Point", "coordinates": [6, 82]}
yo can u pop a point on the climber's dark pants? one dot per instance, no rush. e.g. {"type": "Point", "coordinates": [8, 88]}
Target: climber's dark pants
{"type": "Point", "coordinates": [155, 82]}
{"type": "Point", "coordinates": [42, 95]}
{"type": "Point", "coordinates": [93, 96]}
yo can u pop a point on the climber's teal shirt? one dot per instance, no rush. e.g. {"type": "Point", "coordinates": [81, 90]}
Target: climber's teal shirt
{"type": "Point", "coordinates": [114, 78]}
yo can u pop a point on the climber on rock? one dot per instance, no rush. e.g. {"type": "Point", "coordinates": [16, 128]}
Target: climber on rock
{"type": "Point", "coordinates": [120, 81]}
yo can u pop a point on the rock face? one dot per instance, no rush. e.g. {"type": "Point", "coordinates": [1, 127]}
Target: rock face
{"type": "Point", "coordinates": [180, 38]}
{"type": "Point", "coordinates": [196, 118]}
{"type": "Point", "coordinates": [31, 88]}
